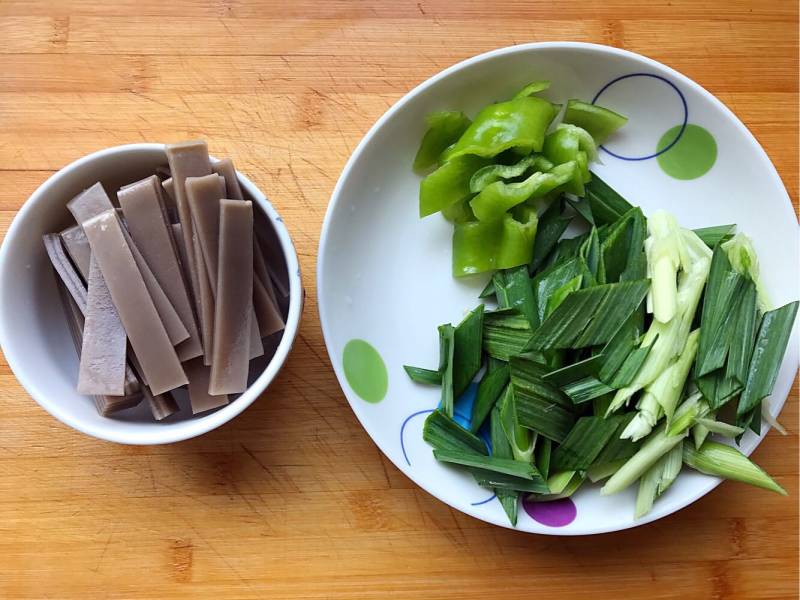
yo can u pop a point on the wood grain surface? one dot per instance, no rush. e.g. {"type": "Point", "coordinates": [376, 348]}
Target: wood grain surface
{"type": "Point", "coordinates": [292, 499]}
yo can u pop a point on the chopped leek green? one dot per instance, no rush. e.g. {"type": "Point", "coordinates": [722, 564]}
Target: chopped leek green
{"type": "Point", "coordinates": [505, 333]}
{"type": "Point", "coordinates": [566, 249]}
{"type": "Point", "coordinates": [467, 352]}
{"type": "Point", "coordinates": [743, 335]}
{"type": "Point", "coordinates": [549, 419]}
{"type": "Point", "coordinates": [586, 389]}
{"type": "Point", "coordinates": [770, 346]}
{"type": "Point", "coordinates": [712, 236]}
{"type": "Point", "coordinates": [519, 293]}
{"type": "Point", "coordinates": [623, 248]}
{"type": "Point", "coordinates": [443, 433]}
{"type": "Point", "coordinates": [584, 368]}
{"type": "Point", "coordinates": [506, 466]}
{"type": "Point", "coordinates": [488, 291]}
{"type": "Point", "coordinates": [544, 450]}
{"type": "Point", "coordinates": [501, 481]}
{"type": "Point", "coordinates": [527, 377]}
{"type": "Point", "coordinates": [584, 443]}
{"type": "Point", "coordinates": [554, 278]}
{"type": "Point", "coordinates": [717, 389]}
{"type": "Point", "coordinates": [446, 350]}
{"type": "Point", "coordinates": [590, 252]}
{"type": "Point", "coordinates": [420, 375]}
{"type": "Point", "coordinates": [509, 499]}
{"type": "Point", "coordinates": [552, 225]}
{"type": "Point", "coordinates": [607, 205]}
{"type": "Point", "coordinates": [618, 348]}
{"type": "Point", "coordinates": [618, 448]}
{"type": "Point", "coordinates": [626, 374]}
{"type": "Point", "coordinates": [719, 312]}
{"type": "Point", "coordinates": [713, 458]}
{"type": "Point", "coordinates": [500, 292]}
{"type": "Point", "coordinates": [583, 208]}
{"type": "Point", "coordinates": [656, 446]}
{"type": "Point", "coordinates": [589, 317]}
{"type": "Point", "coordinates": [521, 440]}
{"type": "Point", "coordinates": [560, 294]}
{"type": "Point", "coordinates": [617, 305]}
{"type": "Point", "coordinates": [489, 390]}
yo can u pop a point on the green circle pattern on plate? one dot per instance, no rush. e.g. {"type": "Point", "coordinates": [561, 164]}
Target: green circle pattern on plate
{"type": "Point", "coordinates": [365, 371]}
{"type": "Point", "coordinates": [692, 156]}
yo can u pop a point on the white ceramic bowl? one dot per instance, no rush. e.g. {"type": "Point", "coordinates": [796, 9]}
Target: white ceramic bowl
{"type": "Point", "coordinates": [33, 331]}
{"type": "Point", "coordinates": [384, 274]}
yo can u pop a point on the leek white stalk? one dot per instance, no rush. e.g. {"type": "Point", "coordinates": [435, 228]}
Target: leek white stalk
{"type": "Point", "coordinates": [648, 414]}
{"type": "Point", "coordinates": [557, 482]}
{"type": "Point", "coordinates": [657, 480]}
{"type": "Point", "coordinates": [691, 409]}
{"type": "Point", "coordinates": [599, 472]}
{"type": "Point", "coordinates": [669, 339]}
{"type": "Point", "coordinates": [719, 427]}
{"type": "Point", "coordinates": [713, 458]}
{"type": "Point", "coordinates": [767, 416]}
{"type": "Point", "coordinates": [661, 397]}
{"type": "Point", "coordinates": [656, 446]}
{"type": "Point", "coordinates": [664, 258]}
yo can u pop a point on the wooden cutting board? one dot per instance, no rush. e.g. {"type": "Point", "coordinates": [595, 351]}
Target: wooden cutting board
{"type": "Point", "coordinates": [292, 499]}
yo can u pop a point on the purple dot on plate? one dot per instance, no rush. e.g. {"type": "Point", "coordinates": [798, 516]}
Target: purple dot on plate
{"type": "Point", "coordinates": [556, 513]}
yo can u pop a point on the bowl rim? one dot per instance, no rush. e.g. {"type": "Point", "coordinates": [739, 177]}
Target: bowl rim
{"type": "Point", "coordinates": [155, 433]}
{"type": "Point", "coordinates": [711, 482]}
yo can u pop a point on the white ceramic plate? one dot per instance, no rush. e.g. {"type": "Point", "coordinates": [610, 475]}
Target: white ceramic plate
{"type": "Point", "coordinates": [384, 274]}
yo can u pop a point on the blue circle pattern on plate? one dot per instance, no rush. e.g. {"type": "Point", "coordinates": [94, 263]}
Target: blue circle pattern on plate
{"type": "Point", "coordinates": [463, 404]}
{"type": "Point", "coordinates": [683, 125]}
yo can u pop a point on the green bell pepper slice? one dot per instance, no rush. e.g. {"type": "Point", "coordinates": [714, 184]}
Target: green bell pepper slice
{"type": "Point", "coordinates": [516, 240]}
{"type": "Point", "coordinates": [474, 247]}
{"type": "Point", "coordinates": [534, 87]}
{"type": "Point", "coordinates": [444, 129]}
{"type": "Point", "coordinates": [460, 212]}
{"type": "Point", "coordinates": [448, 184]}
{"type": "Point", "coordinates": [498, 127]}
{"type": "Point", "coordinates": [493, 202]}
{"type": "Point", "coordinates": [571, 143]}
{"type": "Point", "coordinates": [598, 121]}
{"type": "Point", "coordinates": [491, 173]}
{"type": "Point", "coordinates": [480, 246]}
{"type": "Point", "coordinates": [566, 141]}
